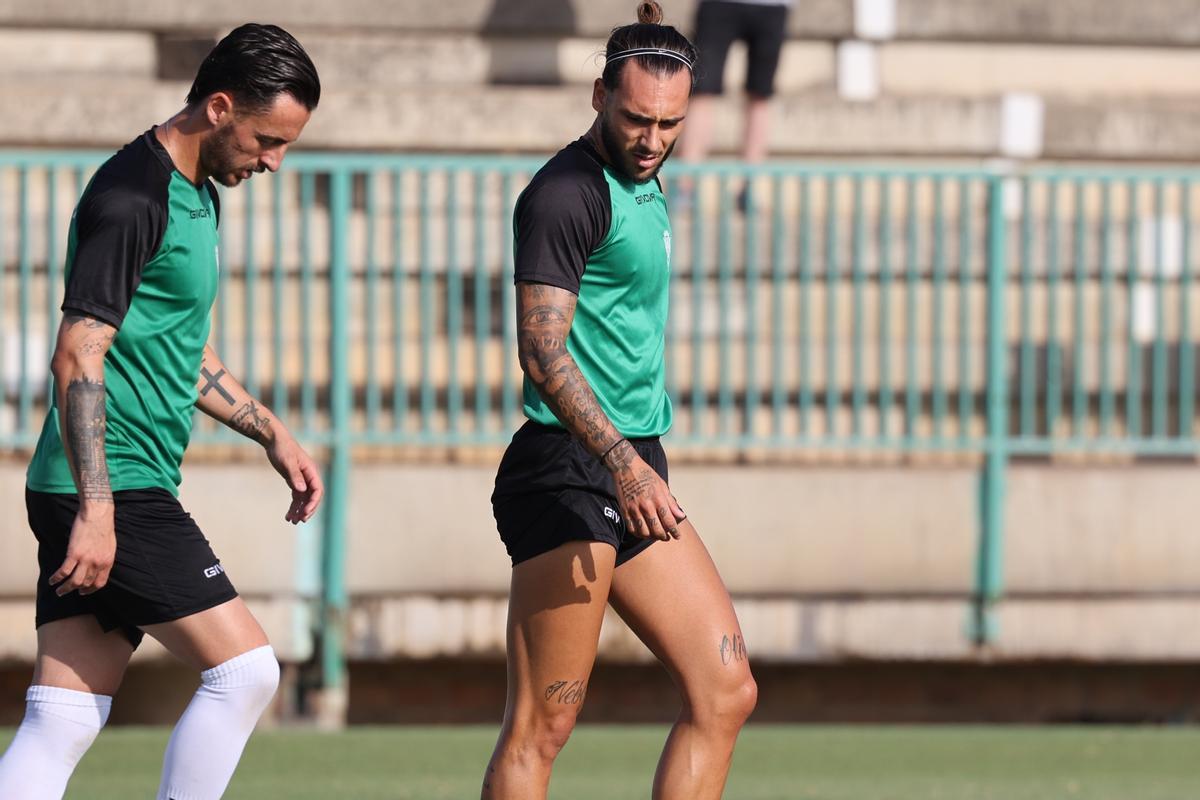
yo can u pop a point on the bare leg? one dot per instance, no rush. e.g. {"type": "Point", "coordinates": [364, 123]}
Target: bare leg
{"type": "Point", "coordinates": [673, 598]}
{"type": "Point", "coordinates": [698, 132]}
{"type": "Point", "coordinates": [75, 653]}
{"type": "Point", "coordinates": [555, 610]}
{"type": "Point", "coordinates": [758, 119]}
{"type": "Point", "coordinates": [211, 637]}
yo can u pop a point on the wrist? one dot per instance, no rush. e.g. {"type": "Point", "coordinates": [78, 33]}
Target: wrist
{"type": "Point", "coordinates": [270, 433]}
{"type": "Point", "coordinates": [93, 510]}
{"type": "Point", "coordinates": [617, 456]}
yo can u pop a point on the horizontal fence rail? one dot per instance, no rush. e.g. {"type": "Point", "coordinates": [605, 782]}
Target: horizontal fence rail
{"type": "Point", "coordinates": [368, 299]}
{"type": "Point", "coordinates": [812, 307]}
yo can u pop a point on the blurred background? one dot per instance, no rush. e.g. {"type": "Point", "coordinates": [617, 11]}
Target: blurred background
{"type": "Point", "coordinates": [934, 361]}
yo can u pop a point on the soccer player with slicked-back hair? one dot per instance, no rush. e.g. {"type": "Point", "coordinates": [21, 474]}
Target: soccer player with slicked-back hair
{"type": "Point", "coordinates": [581, 498]}
{"type": "Point", "coordinates": [119, 557]}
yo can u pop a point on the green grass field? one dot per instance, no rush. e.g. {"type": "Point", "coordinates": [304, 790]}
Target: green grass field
{"type": "Point", "coordinates": [613, 763]}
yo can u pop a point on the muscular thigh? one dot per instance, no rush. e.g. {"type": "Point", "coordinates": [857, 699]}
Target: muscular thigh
{"type": "Point", "coordinates": [556, 606]}
{"type": "Point", "coordinates": [76, 653]}
{"type": "Point", "coordinates": [673, 598]}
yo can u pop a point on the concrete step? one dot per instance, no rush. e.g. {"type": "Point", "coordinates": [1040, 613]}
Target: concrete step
{"type": "Point", "coordinates": [593, 18]}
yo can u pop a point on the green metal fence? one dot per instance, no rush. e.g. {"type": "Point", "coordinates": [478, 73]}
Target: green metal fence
{"type": "Point", "coordinates": [815, 309]}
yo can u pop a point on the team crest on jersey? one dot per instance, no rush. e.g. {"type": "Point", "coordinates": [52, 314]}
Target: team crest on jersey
{"type": "Point", "coordinates": [667, 245]}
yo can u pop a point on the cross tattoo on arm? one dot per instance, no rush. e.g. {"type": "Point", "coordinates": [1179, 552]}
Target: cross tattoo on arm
{"type": "Point", "coordinates": [214, 382]}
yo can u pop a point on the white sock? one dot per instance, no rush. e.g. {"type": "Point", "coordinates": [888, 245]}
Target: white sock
{"type": "Point", "coordinates": [59, 726]}
{"type": "Point", "coordinates": [208, 741]}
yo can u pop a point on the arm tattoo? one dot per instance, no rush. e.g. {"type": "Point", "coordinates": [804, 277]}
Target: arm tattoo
{"type": "Point", "coordinates": [545, 319]}
{"type": "Point", "coordinates": [85, 424]}
{"type": "Point", "coordinates": [248, 422]}
{"type": "Point", "coordinates": [93, 344]}
{"type": "Point", "coordinates": [214, 382]}
{"type": "Point", "coordinates": [568, 693]}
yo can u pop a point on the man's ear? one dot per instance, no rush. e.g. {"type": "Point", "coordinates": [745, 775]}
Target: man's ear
{"type": "Point", "coordinates": [599, 95]}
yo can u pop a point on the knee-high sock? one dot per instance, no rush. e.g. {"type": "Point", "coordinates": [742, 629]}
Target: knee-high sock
{"type": "Point", "coordinates": [208, 741]}
{"type": "Point", "coordinates": [59, 726]}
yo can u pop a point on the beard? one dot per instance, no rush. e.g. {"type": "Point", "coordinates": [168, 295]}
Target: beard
{"type": "Point", "coordinates": [220, 159]}
{"type": "Point", "coordinates": [623, 160]}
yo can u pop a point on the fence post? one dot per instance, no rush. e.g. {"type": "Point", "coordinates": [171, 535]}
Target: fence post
{"type": "Point", "coordinates": [989, 572]}
{"type": "Point", "coordinates": [333, 694]}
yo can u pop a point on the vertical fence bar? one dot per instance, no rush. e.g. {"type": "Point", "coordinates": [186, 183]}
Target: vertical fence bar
{"type": "Point", "coordinates": [805, 269]}
{"type": "Point", "coordinates": [508, 310]}
{"type": "Point", "coordinates": [249, 298]}
{"type": "Point", "coordinates": [425, 288]}
{"type": "Point", "coordinates": [989, 564]}
{"type": "Point", "coordinates": [750, 329]}
{"type": "Point", "coordinates": [374, 394]}
{"type": "Point", "coordinates": [965, 394]}
{"type": "Point", "coordinates": [1133, 368]}
{"type": "Point", "coordinates": [1053, 278]}
{"type": "Point", "coordinates": [25, 279]}
{"type": "Point", "coordinates": [1107, 397]}
{"type": "Point", "coordinates": [1187, 366]}
{"type": "Point", "coordinates": [912, 388]}
{"type": "Point", "coordinates": [52, 279]}
{"type": "Point", "coordinates": [939, 307]}
{"type": "Point", "coordinates": [1078, 389]}
{"type": "Point", "coordinates": [1028, 380]}
{"type": "Point", "coordinates": [399, 278]}
{"type": "Point", "coordinates": [832, 395]}
{"type": "Point", "coordinates": [1158, 400]}
{"type": "Point", "coordinates": [483, 306]}
{"type": "Point", "coordinates": [333, 561]}
{"type": "Point", "coordinates": [778, 283]}
{"type": "Point", "coordinates": [279, 386]}
{"type": "Point", "coordinates": [885, 306]}
{"type": "Point", "coordinates": [858, 395]}
{"type": "Point", "coordinates": [725, 284]}
{"type": "Point", "coordinates": [670, 331]}
{"type": "Point", "coordinates": [308, 387]}
{"type": "Point", "coordinates": [454, 298]}
{"type": "Point", "coordinates": [699, 257]}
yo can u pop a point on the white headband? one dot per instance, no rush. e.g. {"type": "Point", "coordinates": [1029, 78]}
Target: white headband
{"type": "Point", "coordinates": [650, 51]}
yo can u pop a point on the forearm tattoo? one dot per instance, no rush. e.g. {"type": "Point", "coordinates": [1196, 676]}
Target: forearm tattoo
{"type": "Point", "coordinates": [569, 693]}
{"type": "Point", "coordinates": [85, 421]}
{"type": "Point", "coordinates": [249, 422]}
{"type": "Point", "coordinates": [99, 338]}
{"type": "Point", "coordinates": [543, 326]}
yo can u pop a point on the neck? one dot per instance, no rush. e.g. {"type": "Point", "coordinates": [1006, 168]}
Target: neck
{"type": "Point", "coordinates": [597, 141]}
{"type": "Point", "coordinates": [181, 136]}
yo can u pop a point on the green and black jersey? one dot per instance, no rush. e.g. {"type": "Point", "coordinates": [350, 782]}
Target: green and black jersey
{"type": "Point", "coordinates": [141, 256]}
{"type": "Point", "coordinates": [582, 227]}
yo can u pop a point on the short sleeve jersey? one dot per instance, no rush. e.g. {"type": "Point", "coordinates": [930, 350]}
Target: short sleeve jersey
{"type": "Point", "coordinates": [141, 256]}
{"type": "Point", "coordinates": [583, 227]}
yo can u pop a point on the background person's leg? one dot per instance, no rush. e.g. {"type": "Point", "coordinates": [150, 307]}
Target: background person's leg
{"type": "Point", "coordinates": [555, 609]}
{"type": "Point", "coordinates": [238, 678]}
{"type": "Point", "coordinates": [78, 669]}
{"type": "Point", "coordinates": [672, 597]}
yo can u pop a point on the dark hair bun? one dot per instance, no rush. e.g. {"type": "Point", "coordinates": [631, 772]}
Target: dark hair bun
{"type": "Point", "coordinates": [650, 13]}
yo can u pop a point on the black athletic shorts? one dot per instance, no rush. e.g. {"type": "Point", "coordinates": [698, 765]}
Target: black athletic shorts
{"type": "Point", "coordinates": [164, 569]}
{"type": "Point", "coordinates": [550, 490]}
{"type": "Point", "coordinates": [719, 24]}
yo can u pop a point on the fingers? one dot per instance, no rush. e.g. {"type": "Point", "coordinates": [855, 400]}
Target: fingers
{"type": "Point", "coordinates": [666, 516]}
{"type": "Point", "coordinates": [85, 576]}
{"type": "Point", "coordinates": [305, 500]}
{"type": "Point", "coordinates": [677, 510]}
{"type": "Point", "coordinates": [65, 570]}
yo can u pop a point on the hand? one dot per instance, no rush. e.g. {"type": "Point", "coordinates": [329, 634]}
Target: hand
{"type": "Point", "coordinates": [91, 551]}
{"type": "Point", "coordinates": [301, 474]}
{"type": "Point", "coordinates": [650, 510]}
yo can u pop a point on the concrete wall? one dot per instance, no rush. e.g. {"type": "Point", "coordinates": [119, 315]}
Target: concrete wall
{"type": "Point", "coordinates": [825, 563]}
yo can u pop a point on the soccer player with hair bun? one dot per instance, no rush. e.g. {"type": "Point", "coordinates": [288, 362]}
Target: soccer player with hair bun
{"type": "Point", "coordinates": [582, 501]}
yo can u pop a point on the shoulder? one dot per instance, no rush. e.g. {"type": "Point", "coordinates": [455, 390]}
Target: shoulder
{"type": "Point", "coordinates": [131, 186]}
{"type": "Point", "coordinates": [570, 182]}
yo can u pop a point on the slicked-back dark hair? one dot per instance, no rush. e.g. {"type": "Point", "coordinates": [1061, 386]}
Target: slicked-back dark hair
{"type": "Point", "coordinates": [647, 33]}
{"type": "Point", "coordinates": [257, 63]}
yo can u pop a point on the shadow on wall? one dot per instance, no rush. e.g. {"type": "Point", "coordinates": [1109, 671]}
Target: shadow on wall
{"type": "Point", "coordinates": [523, 37]}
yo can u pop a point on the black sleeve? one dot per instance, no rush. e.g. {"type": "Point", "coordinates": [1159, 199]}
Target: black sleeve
{"type": "Point", "coordinates": [116, 232]}
{"type": "Point", "coordinates": [559, 222]}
